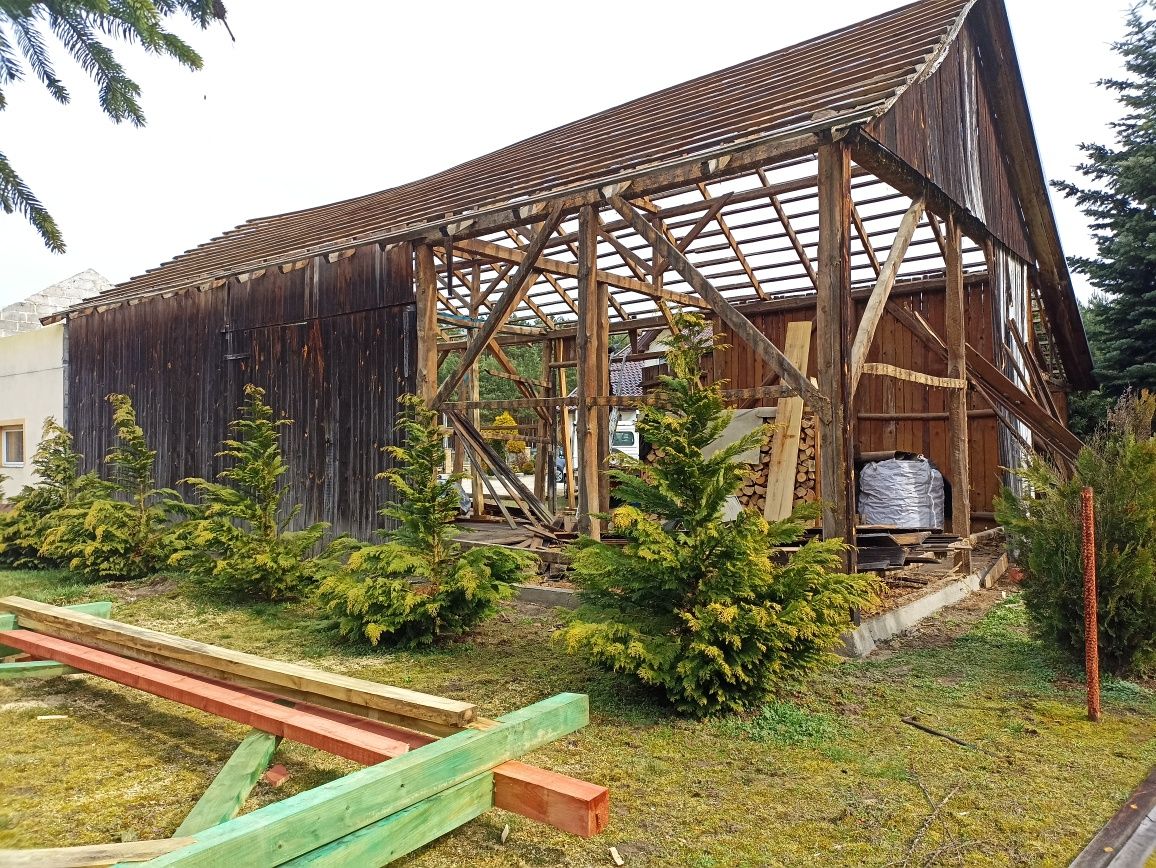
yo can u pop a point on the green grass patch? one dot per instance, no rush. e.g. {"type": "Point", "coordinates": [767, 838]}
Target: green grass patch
{"type": "Point", "coordinates": [827, 775]}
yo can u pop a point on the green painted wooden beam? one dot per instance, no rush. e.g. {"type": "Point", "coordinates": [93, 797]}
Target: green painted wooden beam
{"type": "Point", "coordinates": [224, 796]}
{"type": "Point", "coordinates": [300, 824]}
{"type": "Point", "coordinates": [33, 669]}
{"type": "Point", "coordinates": [8, 620]}
{"type": "Point", "coordinates": [401, 833]}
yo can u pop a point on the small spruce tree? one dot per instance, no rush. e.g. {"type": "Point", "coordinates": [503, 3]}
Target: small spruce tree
{"type": "Point", "coordinates": [1044, 528]}
{"type": "Point", "coordinates": [1118, 205]}
{"type": "Point", "coordinates": [122, 534]}
{"type": "Point", "coordinates": [694, 605]}
{"type": "Point", "coordinates": [419, 586]}
{"type": "Point", "coordinates": [59, 485]}
{"type": "Point", "coordinates": [239, 543]}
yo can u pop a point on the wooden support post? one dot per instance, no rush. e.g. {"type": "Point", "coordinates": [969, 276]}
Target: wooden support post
{"type": "Point", "coordinates": [834, 321]}
{"type": "Point", "coordinates": [590, 349]}
{"type": "Point", "coordinates": [471, 385]}
{"type": "Point", "coordinates": [956, 338]}
{"type": "Point", "coordinates": [567, 436]}
{"type": "Point", "coordinates": [425, 293]}
{"type": "Point", "coordinates": [543, 461]}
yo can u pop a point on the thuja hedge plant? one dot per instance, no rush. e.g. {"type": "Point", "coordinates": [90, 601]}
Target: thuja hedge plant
{"type": "Point", "coordinates": [419, 586]}
{"type": "Point", "coordinates": [1044, 527]}
{"type": "Point", "coordinates": [30, 514]}
{"type": "Point", "coordinates": [237, 541]}
{"type": "Point", "coordinates": [122, 532]}
{"type": "Point", "coordinates": [693, 605]}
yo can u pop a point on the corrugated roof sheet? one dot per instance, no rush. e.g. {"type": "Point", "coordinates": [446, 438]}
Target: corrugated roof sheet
{"type": "Point", "coordinates": [849, 75]}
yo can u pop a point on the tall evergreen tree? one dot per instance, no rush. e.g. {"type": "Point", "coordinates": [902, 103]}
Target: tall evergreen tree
{"type": "Point", "coordinates": [1120, 204]}
{"type": "Point", "coordinates": [79, 26]}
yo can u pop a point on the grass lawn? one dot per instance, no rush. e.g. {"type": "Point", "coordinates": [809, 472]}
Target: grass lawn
{"type": "Point", "coordinates": [827, 775]}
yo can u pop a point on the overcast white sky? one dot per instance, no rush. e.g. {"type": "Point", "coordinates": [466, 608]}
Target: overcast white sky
{"type": "Point", "coordinates": [306, 109]}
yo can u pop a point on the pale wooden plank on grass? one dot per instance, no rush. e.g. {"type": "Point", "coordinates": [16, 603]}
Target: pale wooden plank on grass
{"type": "Point", "coordinates": [788, 427]}
{"type": "Point", "coordinates": [300, 824]}
{"type": "Point", "coordinates": [91, 855]}
{"type": "Point", "coordinates": [8, 621]}
{"type": "Point", "coordinates": [33, 669]}
{"type": "Point", "coordinates": [224, 796]}
{"type": "Point", "coordinates": [405, 831]}
{"type": "Point", "coordinates": [77, 627]}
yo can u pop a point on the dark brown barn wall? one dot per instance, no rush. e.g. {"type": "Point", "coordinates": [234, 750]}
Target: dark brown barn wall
{"type": "Point", "coordinates": [894, 345]}
{"type": "Point", "coordinates": [332, 344]}
{"type": "Point", "coordinates": [945, 128]}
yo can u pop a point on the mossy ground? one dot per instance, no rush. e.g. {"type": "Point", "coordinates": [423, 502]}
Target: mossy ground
{"type": "Point", "coordinates": [826, 775]}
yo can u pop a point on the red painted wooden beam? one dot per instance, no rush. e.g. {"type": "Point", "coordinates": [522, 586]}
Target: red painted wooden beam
{"type": "Point", "coordinates": [323, 733]}
{"type": "Point", "coordinates": [557, 800]}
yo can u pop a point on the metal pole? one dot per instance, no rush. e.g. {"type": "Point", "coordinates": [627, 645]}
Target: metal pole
{"type": "Point", "coordinates": [1091, 626]}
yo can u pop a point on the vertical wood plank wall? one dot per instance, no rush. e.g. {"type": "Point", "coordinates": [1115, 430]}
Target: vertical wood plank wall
{"type": "Point", "coordinates": [894, 345]}
{"type": "Point", "coordinates": [333, 345]}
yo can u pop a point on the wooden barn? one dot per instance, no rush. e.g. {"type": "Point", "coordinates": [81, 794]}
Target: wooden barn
{"type": "Point", "coordinates": [880, 184]}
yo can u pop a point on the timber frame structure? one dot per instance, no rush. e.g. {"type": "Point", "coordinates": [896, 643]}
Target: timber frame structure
{"type": "Point", "coordinates": [881, 181]}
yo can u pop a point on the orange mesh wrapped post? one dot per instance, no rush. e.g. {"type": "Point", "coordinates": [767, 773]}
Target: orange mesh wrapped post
{"type": "Point", "coordinates": [1091, 626]}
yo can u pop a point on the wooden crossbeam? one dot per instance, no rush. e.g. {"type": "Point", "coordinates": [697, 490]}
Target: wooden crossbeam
{"type": "Point", "coordinates": [1034, 374]}
{"type": "Point", "coordinates": [231, 787]}
{"type": "Point", "coordinates": [285, 830]}
{"type": "Point", "coordinates": [881, 370]}
{"type": "Point", "coordinates": [733, 243]}
{"type": "Point", "coordinates": [570, 269]}
{"type": "Point", "coordinates": [274, 674]}
{"type": "Point", "coordinates": [742, 326]}
{"type": "Point", "coordinates": [622, 401]}
{"type": "Point", "coordinates": [516, 289]}
{"type": "Point", "coordinates": [873, 312]}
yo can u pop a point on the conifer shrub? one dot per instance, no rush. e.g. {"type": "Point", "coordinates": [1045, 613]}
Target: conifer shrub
{"type": "Point", "coordinates": [1044, 528]}
{"type": "Point", "coordinates": [419, 586]}
{"type": "Point", "coordinates": [121, 534]}
{"type": "Point", "coordinates": [237, 542]}
{"type": "Point", "coordinates": [693, 605]}
{"type": "Point", "coordinates": [59, 485]}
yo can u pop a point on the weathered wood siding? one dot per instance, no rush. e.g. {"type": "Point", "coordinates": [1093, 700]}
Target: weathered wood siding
{"type": "Point", "coordinates": [894, 345]}
{"type": "Point", "coordinates": [333, 344]}
{"type": "Point", "coordinates": [945, 128]}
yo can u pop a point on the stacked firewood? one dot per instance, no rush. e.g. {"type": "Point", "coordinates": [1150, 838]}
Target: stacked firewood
{"type": "Point", "coordinates": [753, 494]}
{"type": "Point", "coordinates": [806, 469]}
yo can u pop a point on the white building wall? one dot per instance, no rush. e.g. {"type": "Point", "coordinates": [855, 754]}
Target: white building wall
{"type": "Point", "coordinates": [31, 390]}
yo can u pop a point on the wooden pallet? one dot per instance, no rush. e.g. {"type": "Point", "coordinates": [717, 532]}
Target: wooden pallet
{"type": "Point", "coordinates": [432, 763]}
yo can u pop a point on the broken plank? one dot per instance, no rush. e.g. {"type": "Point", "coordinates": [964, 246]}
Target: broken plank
{"type": "Point", "coordinates": [76, 626]}
{"type": "Point", "coordinates": [232, 785]}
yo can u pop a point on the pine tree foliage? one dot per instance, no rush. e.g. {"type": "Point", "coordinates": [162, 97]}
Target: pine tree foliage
{"type": "Point", "coordinates": [1045, 530]}
{"type": "Point", "coordinates": [59, 485]}
{"type": "Point", "coordinates": [419, 586]}
{"type": "Point", "coordinates": [239, 543]}
{"type": "Point", "coordinates": [78, 25]}
{"type": "Point", "coordinates": [1120, 204]}
{"type": "Point", "coordinates": [121, 535]}
{"type": "Point", "coordinates": [694, 605]}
